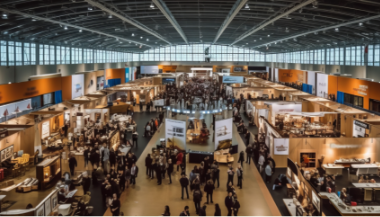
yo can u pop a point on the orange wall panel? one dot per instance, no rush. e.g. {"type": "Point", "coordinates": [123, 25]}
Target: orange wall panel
{"type": "Point", "coordinates": [66, 88]}
{"type": "Point", "coordinates": [116, 73]}
{"type": "Point", "coordinates": [355, 87]}
{"type": "Point", "coordinates": [25, 90]}
{"type": "Point", "coordinates": [291, 75]}
{"type": "Point", "coordinates": [168, 69]}
{"type": "Point", "coordinates": [332, 85]}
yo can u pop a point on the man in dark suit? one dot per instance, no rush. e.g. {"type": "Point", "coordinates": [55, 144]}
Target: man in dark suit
{"type": "Point", "coordinates": [134, 172]}
{"type": "Point", "coordinates": [229, 203]}
{"type": "Point", "coordinates": [184, 183]}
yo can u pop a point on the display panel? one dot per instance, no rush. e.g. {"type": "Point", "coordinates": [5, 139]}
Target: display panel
{"type": "Point", "coordinates": [223, 134]}
{"type": "Point", "coordinates": [150, 70]}
{"type": "Point", "coordinates": [47, 99]}
{"type": "Point", "coordinates": [359, 128]}
{"type": "Point", "coordinates": [168, 80]}
{"type": "Point", "coordinates": [45, 130]}
{"type": "Point", "coordinates": [311, 80]}
{"type": "Point", "coordinates": [257, 68]}
{"type": "Point", "coordinates": [100, 83]}
{"type": "Point", "coordinates": [316, 201]}
{"type": "Point", "coordinates": [233, 79]}
{"type": "Point", "coordinates": [281, 146]}
{"type": "Point", "coordinates": [175, 134]}
{"type": "Point", "coordinates": [77, 86]}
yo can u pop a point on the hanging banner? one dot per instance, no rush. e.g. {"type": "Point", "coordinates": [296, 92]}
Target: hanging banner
{"type": "Point", "coordinates": [100, 83]}
{"type": "Point", "coordinates": [150, 70]}
{"type": "Point", "coordinates": [223, 134]}
{"type": "Point", "coordinates": [175, 134]}
{"type": "Point", "coordinates": [281, 146]}
{"type": "Point", "coordinates": [233, 79]}
{"type": "Point", "coordinates": [359, 129]}
{"type": "Point", "coordinates": [77, 86]}
{"type": "Point", "coordinates": [126, 75]}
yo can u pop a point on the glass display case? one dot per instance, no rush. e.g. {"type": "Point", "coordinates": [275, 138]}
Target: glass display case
{"type": "Point", "coordinates": [48, 172]}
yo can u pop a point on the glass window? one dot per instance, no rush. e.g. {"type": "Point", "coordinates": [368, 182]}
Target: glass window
{"type": "Point", "coordinates": [376, 55]}
{"type": "Point", "coordinates": [11, 53]}
{"type": "Point", "coordinates": [18, 50]}
{"type": "Point", "coordinates": [4, 53]}
{"type": "Point", "coordinates": [27, 54]}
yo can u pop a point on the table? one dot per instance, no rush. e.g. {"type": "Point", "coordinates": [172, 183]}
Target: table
{"type": "Point", "coordinates": [366, 185]}
{"type": "Point", "coordinates": [365, 168]}
{"type": "Point", "coordinates": [333, 169]}
{"type": "Point", "coordinates": [351, 161]}
{"type": "Point", "coordinates": [292, 208]}
{"type": "Point", "coordinates": [340, 206]}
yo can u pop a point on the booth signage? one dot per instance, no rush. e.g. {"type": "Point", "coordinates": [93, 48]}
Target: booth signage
{"type": "Point", "coordinates": [175, 134]}
{"type": "Point", "coordinates": [359, 128]}
{"type": "Point", "coordinates": [281, 146]}
{"type": "Point", "coordinates": [233, 79]}
{"type": "Point", "coordinates": [223, 134]}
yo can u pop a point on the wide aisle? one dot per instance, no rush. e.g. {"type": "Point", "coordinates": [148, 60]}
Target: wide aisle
{"type": "Point", "coordinates": [149, 199]}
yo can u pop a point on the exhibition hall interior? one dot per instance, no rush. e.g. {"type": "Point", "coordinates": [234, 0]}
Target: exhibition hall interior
{"type": "Point", "coordinates": [186, 108]}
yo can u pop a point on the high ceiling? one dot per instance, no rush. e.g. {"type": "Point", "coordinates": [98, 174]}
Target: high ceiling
{"type": "Point", "coordinates": [259, 24]}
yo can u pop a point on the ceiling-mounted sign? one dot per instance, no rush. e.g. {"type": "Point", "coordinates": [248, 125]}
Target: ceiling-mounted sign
{"type": "Point", "coordinates": [359, 128]}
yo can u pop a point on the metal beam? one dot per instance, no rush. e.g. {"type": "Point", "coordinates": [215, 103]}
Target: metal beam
{"type": "Point", "coordinates": [165, 10]}
{"type": "Point", "coordinates": [231, 15]}
{"type": "Point", "coordinates": [68, 25]}
{"type": "Point", "coordinates": [362, 20]}
{"type": "Point", "coordinates": [269, 22]}
{"type": "Point", "coordinates": [112, 10]}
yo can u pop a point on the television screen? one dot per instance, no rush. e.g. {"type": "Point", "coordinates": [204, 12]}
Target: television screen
{"type": "Point", "coordinates": [149, 70]}
{"type": "Point", "coordinates": [168, 80]}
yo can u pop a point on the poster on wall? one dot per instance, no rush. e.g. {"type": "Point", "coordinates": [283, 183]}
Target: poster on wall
{"type": "Point", "coordinates": [45, 129]}
{"type": "Point", "coordinates": [285, 108]}
{"type": "Point", "coordinates": [6, 153]}
{"type": "Point", "coordinates": [359, 129]}
{"type": "Point", "coordinates": [228, 91]}
{"type": "Point", "coordinates": [233, 79]}
{"type": "Point", "coordinates": [100, 83]}
{"type": "Point", "coordinates": [316, 201]}
{"type": "Point", "coordinates": [311, 80]}
{"type": "Point", "coordinates": [77, 86]}
{"type": "Point", "coordinates": [175, 134]}
{"type": "Point", "coordinates": [159, 102]}
{"type": "Point", "coordinates": [150, 70]}
{"type": "Point", "coordinates": [223, 134]}
{"type": "Point", "coordinates": [281, 146]}
{"type": "Point", "coordinates": [322, 85]}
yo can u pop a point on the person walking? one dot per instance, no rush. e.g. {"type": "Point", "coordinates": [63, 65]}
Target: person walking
{"type": "Point", "coordinates": [239, 173]}
{"type": "Point", "coordinates": [215, 175]}
{"type": "Point", "coordinates": [72, 164]}
{"type": "Point", "coordinates": [167, 211]}
{"type": "Point", "coordinates": [249, 151]}
{"type": "Point", "coordinates": [112, 158]}
{"type": "Point", "coordinates": [134, 172]}
{"type": "Point", "coordinates": [135, 136]}
{"type": "Point", "coordinates": [148, 165]}
{"type": "Point", "coordinates": [236, 206]}
{"type": "Point", "coordinates": [197, 198]}
{"type": "Point", "coordinates": [115, 205]}
{"type": "Point", "coordinates": [86, 183]}
{"type": "Point", "coordinates": [268, 173]}
{"type": "Point", "coordinates": [209, 189]}
{"type": "Point", "coordinates": [241, 158]}
{"type": "Point", "coordinates": [229, 202]}
{"type": "Point", "coordinates": [169, 169]}
{"type": "Point", "coordinates": [272, 163]}
{"type": "Point", "coordinates": [185, 212]}
{"type": "Point", "coordinates": [105, 158]}
{"type": "Point", "coordinates": [184, 184]}
{"type": "Point", "coordinates": [231, 174]}
{"type": "Point", "coordinates": [218, 212]}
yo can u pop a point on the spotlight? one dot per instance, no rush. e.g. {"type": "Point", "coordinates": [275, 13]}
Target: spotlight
{"type": "Point", "coordinates": [336, 29]}
{"type": "Point", "coordinates": [89, 8]}
{"type": "Point", "coordinates": [80, 30]}
{"type": "Point", "coordinates": [152, 5]}
{"type": "Point", "coordinates": [147, 39]}
{"type": "Point", "coordinates": [360, 24]}
{"type": "Point", "coordinates": [133, 34]}
{"type": "Point", "coordinates": [65, 27]}
{"type": "Point", "coordinates": [5, 16]}
{"type": "Point", "coordinates": [268, 35]}
{"type": "Point", "coordinates": [34, 20]}
{"type": "Point", "coordinates": [246, 7]}
{"type": "Point", "coordinates": [110, 16]}
{"type": "Point", "coordinates": [141, 37]}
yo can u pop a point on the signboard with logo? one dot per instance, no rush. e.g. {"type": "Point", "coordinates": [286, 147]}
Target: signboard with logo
{"type": "Point", "coordinates": [223, 134]}
{"type": "Point", "coordinates": [322, 85]}
{"type": "Point", "coordinates": [77, 86]}
{"type": "Point", "coordinates": [150, 70]}
{"type": "Point", "coordinates": [175, 134]}
{"type": "Point", "coordinates": [281, 146]}
{"type": "Point", "coordinates": [233, 79]}
{"type": "Point", "coordinates": [359, 129]}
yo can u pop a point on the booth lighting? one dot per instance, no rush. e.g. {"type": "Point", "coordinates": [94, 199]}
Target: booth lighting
{"type": "Point", "coordinates": [344, 146]}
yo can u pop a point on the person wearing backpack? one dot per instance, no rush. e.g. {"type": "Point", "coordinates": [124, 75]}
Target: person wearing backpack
{"type": "Point", "coordinates": [197, 198]}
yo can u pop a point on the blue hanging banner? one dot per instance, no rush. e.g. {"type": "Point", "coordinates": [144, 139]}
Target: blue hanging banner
{"type": "Point", "coordinates": [340, 97]}
{"type": "Point", "coordinates": [126, 75]}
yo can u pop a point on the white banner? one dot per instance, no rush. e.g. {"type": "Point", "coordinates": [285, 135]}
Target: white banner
{"type": "Point", "coordinates": [228, 91]}
{"type": "Point", "coordinates": [322, 85]}
{"type": "Point", "coordinates": [24, 105]}
{"type": "Point", "coordinates": [223, 134]}
{"type": "Point", "coordinates": [276, 75]}
{"type": "Point", "coordinates": [311, 79]}
{"type": "Point", "coordinates": [149, 70]}
{"type": "Point", "coordinates": [281, 146]}
{"type": "Point", "coordinates": [7, 110]}
{"type": "Point", "coordinates": [284, 108]}
{"type": "Point", "coordinates": [175, 134]}
{"type": "Point", "coordinates": [77, 84]}
{"type": "Point", "coordinates": [159, 102]}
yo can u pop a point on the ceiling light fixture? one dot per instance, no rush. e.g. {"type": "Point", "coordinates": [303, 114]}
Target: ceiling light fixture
{"type": "Point", "coordinates": [133, 34]}
{"type": "Point", "coordinates": [34, 20]}
{"type": "Point", "coordinates": [110, 16]}
{"type": "Point", "coordinates": [360, 24]}
{"type": "Point", "coordinates": [65, 27]}
{"type": "Point", "coordinates": [5, 16]}
{"type": "Point", "coordinates": [152, 5]}
{"type": "Point", "coordinates": [141, 37]}
{"type": "Point", "coordinates": [247, 7]}
{"type": "Point", "coordinates": [336, 29]}
{"type": "Point", "coordinates": [80, 30]}
{"type": "Point", "coordinates": [89, 8]}
{"type": "Point", "coordinates": [268, 35]}
{"type": "Point", "coordinates": [147, 39]}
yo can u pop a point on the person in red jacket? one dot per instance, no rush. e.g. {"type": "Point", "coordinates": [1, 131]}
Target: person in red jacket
{"type": "Point", "coordinates": [179, 160]}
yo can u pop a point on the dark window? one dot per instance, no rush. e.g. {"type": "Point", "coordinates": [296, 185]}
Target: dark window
{"type": "Point", "coordinates": [374, 105]}
{"type": "Point", "coordinates": [353, 100]}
